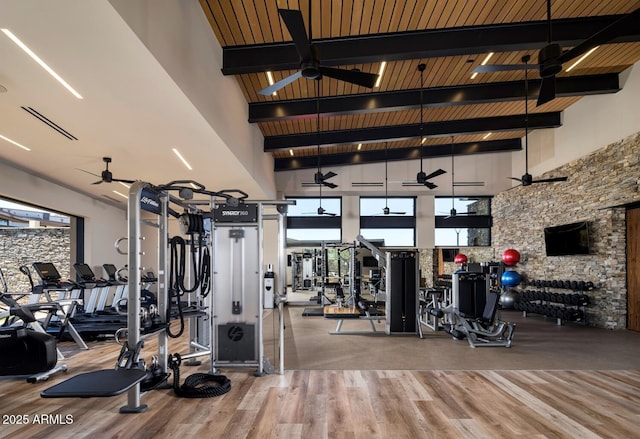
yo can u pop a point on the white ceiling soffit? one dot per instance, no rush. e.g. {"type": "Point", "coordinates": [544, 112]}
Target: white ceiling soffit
{"type": "Point", "coordinates": [131, 109]}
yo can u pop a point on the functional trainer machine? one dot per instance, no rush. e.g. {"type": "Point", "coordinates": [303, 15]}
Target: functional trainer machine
{"type": "Point", "coordinates": [239, 301]}
{"type": "Point", "coordinates": [400, 292]}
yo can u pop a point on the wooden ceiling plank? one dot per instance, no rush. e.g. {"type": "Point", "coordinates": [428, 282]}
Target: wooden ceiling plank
{"type": "Point", "coordinates": [376, 16]}
{"type": "Point", "coordinates": [219, 23]}
{"type": "Point", "coordinates": [234, 25]}
{"type": "Point", "coordinates": [385, 15]}
{"type": "Point", "coordinates": [346, 17]}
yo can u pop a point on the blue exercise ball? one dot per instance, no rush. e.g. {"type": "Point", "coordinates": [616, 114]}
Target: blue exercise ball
{"type": "Point", "coordinates": [511, 278]}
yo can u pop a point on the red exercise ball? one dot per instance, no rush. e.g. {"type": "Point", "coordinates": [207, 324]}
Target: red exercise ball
{"type": "Point", "coordinates": [510, 257]}
{"type": "Point", "coordinates": [460, 258]}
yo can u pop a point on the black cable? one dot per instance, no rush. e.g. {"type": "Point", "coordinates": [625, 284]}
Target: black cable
{"type": "Point", "coordinates": [195, 386]}
{"type": "Point", "coordinates": [205, 273]}
{"type": "Point", "coordinates": [176, 275]}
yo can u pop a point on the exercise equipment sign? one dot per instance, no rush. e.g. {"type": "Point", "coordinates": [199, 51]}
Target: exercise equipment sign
{"type": "Point", "coordinates": [244, 213]}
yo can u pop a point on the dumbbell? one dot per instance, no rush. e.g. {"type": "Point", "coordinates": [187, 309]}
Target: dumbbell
{"type": "Point", "coordinates": [584, 300]}
{"type": "Point", "coordinates": [590, 286]}
{"type": "Point", "coordinates": [581, 285]}
{"type": "Point", "coordinates": [554, 283]}
{"type": "Point", "coordinates": [574, 285]}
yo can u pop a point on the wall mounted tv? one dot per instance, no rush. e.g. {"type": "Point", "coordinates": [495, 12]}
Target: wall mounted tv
{"type": "Point", "coordinates": [567, 239]}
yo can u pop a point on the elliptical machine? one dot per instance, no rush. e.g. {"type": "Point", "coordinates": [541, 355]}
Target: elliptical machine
{"type": "Point", "coordinates": [27, 350]}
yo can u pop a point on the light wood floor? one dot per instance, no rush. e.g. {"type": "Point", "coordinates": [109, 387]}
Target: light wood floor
{"type": "Point", "coordinates": [357, 404]}
{"type": "Point", "coordinates": [445, 403]}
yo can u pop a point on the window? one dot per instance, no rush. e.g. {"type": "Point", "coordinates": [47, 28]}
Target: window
{"type": "Point", "coordinates": [391, 220]}
{"type": "Point", "coordinates": [470, 226]}
{"type": "Point", "coordinates": [313, 220]}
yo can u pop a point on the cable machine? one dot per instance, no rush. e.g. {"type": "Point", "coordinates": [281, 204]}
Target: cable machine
{"type": "Point", "coordinates": [151, 206]}
{"type": "Point", "coordinates": [241, 281]}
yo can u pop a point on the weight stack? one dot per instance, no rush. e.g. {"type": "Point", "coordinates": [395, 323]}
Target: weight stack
{"type": "Point", "coordinates": [469, 294]}
{"type": "Point", "coordinates": [402, 296]}
{"type": "Point", "coordinates": [236, 342]}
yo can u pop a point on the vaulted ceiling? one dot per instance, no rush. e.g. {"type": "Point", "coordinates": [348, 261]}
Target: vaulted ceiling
{"type": "Point", "coordinates": [451, 38]}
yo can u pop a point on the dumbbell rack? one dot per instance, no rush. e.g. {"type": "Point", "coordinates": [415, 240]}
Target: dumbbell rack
{"type": "Point", "coordinates": [547, 301]}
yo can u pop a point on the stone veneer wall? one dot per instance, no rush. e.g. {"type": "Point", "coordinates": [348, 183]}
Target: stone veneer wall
{"type": "Point", "coordinates": [25, 246]}
{"type": "Point", "coordinates": [604, 178]}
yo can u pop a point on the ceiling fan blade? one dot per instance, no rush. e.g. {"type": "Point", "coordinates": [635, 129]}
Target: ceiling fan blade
{"type": "Point", "coordinates": [513, 178]}
{"type": "Point", "coordinates": [550, 180]}
{"type": "Point", "coordinates": [97, 182]}
{"type": "Point", "coordinates": [603, 36]}
{"type": "Point", "coordinates": [547, 90]}
{"type": "Point", "coordinates": [123, 181]}
{"type": "Point", "coordinates": [280, 84]}
{"type": "Point", "coordinates": [397, 213]}
{"type": "Point", "coordinates": [329, 185]}
{"type": "Point", "coordinates": [489, 68]}
{"type": "Point", "coordinates": [329, 175]}
{"type": "Point", "coordinates": [295, 25]}
{"type": "Point", "coordinates": [352, 76]}
{"type": "Point", "coordinates": [430, 185]}
{"type": "Point", "coordinates": [87, 172]}
{"type": "Point", "coordinates": [435, 174]}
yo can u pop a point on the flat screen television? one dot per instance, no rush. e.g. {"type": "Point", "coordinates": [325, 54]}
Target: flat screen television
{"type": "Point", "coordinates": [449, 254]}
{"type": "Point", "coordinates": [567, 239]}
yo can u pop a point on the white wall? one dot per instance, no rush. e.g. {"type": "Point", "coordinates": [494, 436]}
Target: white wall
{"type": "Point", "coordinates": [103, 222]}
{"type": "Point", "coordinates": [178, 35]}
{"type": "Point", "coordinates": [588, 125]}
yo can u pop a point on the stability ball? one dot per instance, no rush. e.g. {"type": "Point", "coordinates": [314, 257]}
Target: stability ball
{"type": "Point", "coordinates": [511, 278]}
{"type": "Point", "coordinates": [460, 258]}
{"type": "Point", "coordinates": [510, 257]}
{"type": "Point", "coordinates": [509, 299]}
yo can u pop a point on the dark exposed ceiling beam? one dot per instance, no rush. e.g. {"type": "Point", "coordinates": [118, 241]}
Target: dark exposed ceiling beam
{"type": "Point", "coordinates": [413, 153]}
{"type": "Point", "coordinates": [421, 44]}
{"type": "Point", "coordinates": [401, 132]}
{"type": "Point", "coordinates": [433, 97]}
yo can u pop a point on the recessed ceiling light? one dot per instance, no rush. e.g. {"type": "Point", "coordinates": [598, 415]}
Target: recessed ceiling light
{"type": "Point", "coordinates": [42, 64]}
{"type": "Point", "coordinates": [424, 139]}
{"type": "Point", "coordinates": [383, 65]}
{"type": "Point", "coordinates": [270, 80]}
{"type": "Point", "coordinates": [176, 152]}
{"type": "Point", "coordinates": [14, 142]}
{"type": "Point", "coordinates": [121, 194]}
{"type": "Point", "coordinates": [359, 146]}
{"type": "Point", "coordinates": [484, 62]}
{"type": "Point", "coordinates": [486, 136]}
{"type": "Point", "coordinates": [581, 59]}
{"type": "Point", "coordinates": [291, 152]}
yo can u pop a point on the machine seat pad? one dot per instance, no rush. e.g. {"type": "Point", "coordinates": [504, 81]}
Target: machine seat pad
{"type": "Point", "coordinates": [101, 383]}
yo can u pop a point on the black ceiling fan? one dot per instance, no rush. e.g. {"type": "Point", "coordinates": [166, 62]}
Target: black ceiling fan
{"type": "Point", "coordinates": [422, 177]}
{"type": "Point", "coordinates": [551, 58]}
{"type": "Point", "coordinates": [106, 176]}
{"type": "Point", "coordinates": [319, 178]}
{"type": "Point", "coordinates": [527, 179]}
{"type": "Point", "coordinates": [386, 210]}
{"type": "Point", "coordinates": [453, 212]}
{"type": "Point", "coordinates": [310, 66]}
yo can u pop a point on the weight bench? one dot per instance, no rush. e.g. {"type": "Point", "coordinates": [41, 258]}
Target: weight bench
{"type": "Point", "coordinates": [486, 330]}
{"type": "Point", "coordinates": [339, 313]}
